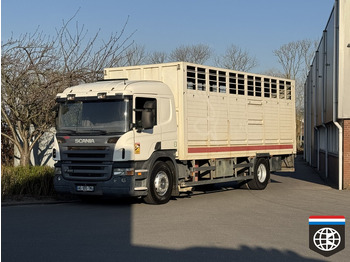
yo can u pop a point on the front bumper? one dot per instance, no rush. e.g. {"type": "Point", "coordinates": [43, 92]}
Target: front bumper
{"type": "Point", "coordinates": [117, 186]}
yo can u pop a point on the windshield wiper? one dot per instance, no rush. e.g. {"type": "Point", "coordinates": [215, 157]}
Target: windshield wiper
{"type": "Point", "coordinates": [69, 131]}
{"type": "Point", "coordinates": [94, 131]}
{"type": "Point", "coordinates": [86, 132]}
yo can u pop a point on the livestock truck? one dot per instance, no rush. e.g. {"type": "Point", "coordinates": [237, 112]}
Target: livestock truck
{"type": "Point", "coordinates": [154, 131]}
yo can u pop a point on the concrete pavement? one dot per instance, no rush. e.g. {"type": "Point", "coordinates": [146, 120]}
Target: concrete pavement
{"type": "Point", "coordinates": [233, 219]}
{"type": "Point", "coordinates": [226, 224]}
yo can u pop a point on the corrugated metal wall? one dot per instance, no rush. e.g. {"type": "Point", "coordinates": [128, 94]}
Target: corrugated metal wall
{"type": "Point", "coordinates": [329, 74]}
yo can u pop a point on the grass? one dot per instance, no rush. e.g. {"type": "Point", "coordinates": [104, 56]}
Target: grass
{"type": "Point", "coordinates": [32, 181]}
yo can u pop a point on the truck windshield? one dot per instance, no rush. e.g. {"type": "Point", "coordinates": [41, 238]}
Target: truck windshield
{"type": "Point", "coordinates": [94, 117]}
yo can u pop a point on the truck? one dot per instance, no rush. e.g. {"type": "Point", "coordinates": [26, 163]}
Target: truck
{"type": "Point", "coordinates": [156, 131]}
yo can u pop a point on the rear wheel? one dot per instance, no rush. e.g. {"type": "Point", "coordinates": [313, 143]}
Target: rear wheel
{"type": "Point", "coordinates": [261, 175]}
{"type": "Point", "coordinates": [160, 184]}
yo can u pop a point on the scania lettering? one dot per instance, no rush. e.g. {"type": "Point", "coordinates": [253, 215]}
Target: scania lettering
{"type": "Point", "coordinates": [155, 131]}
{"type": "Point", "coordinates": [86, 141]}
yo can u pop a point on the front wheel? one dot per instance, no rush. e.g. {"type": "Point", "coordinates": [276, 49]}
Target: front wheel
{"type": "Point", "coordinates": [160, 184]}
{"type": "Point", "coordinates": [261, 175]}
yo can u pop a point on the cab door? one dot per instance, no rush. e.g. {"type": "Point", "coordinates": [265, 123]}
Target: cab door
{"type": "Point", "coordinates": [147, 131]}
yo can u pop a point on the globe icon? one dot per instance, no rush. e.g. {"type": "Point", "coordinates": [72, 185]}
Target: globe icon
{"type": "Point", "coordinates": [327, 239]}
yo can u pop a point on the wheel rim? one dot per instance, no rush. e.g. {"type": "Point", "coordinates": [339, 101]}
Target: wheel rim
{"type": "Point", "coordinates": [161, 183]}
{"type": "Point", "coordinates": [262, 173]}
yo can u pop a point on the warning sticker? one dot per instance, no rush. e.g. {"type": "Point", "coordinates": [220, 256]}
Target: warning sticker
{"type": "Point", "coordinates": [137, 148]}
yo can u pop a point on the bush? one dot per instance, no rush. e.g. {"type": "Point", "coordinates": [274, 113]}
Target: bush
{"type": "Point", "coordinates": [34, 181]}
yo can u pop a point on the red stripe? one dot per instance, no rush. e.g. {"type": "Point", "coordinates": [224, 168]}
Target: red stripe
{"type": "Point", "coordinates": [326, 217]}
{"type": "Point", "coordinates": [193, 150]}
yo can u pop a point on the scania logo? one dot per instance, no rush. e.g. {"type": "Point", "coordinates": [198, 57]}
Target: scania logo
{"type": "Point", "coordinates": [85, 141]}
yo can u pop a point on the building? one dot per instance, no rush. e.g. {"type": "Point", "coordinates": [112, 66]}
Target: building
{"type": "Point", "coordinates": [327, 101]}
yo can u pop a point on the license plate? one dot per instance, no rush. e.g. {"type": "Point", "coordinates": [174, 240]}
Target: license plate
{"type": "Point", "coordinates": [85, 188]}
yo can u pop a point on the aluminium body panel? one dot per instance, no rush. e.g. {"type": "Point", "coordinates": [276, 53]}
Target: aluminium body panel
{"type": "Point", "coordinates": [224, 113]}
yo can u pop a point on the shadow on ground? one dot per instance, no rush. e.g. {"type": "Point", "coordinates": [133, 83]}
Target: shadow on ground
{"type": "Point", "coordinates": [102, 231]}
{"type": "Point", "coordinates": [302, 172]}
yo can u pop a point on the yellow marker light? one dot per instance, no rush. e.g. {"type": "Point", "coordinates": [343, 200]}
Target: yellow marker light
{"type": "Point", "coordinates": [70, 96]}
{"type": "Point", "coordinates": [129, 172]}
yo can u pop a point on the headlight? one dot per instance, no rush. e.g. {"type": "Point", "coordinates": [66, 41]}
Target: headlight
{"type": "Point", "coordinates": [123, 171]}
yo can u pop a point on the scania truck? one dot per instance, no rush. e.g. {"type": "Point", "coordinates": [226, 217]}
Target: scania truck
{"type": "Point", "coordinates": [154, 131]}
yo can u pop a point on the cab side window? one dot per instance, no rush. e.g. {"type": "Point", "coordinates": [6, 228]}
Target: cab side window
{"type": "Point", "coordinates": [145, 106]}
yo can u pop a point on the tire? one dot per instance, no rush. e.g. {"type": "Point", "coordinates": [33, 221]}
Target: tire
{"type": "Point", "coordinates": [261, 175]}
{"type": "Point", "coordinates": [160, 184]}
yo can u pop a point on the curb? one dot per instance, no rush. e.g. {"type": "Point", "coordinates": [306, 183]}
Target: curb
{"type": "Point", "coordinates": [33, 201]}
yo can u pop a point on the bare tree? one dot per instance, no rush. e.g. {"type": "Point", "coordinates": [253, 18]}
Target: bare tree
{"type": "Point", "coordinates": [157, 57]}
{"type": "Point", "coordinates": [236, 59]}
{"type": "Point", "coordinates": [28, 82]}
{"type": "Point", "coordinates": [35, 67]}
{"type": "Point", "coordinates": [198, 54]}
{"type": "Point", "coordinates": [290, 58]}
{"type": "Point", "coordinates": [83, 59]}
{"type": "Point", "coordinates": [273, 72]}
{"type": "Point", "coordinates": [308, 49]}
{"type": "Point", "coordinates": [7, 150]}
{"type": "Point", "coordinates": [295, 59]}
{"type": "Point", "coordinates": [134, 55]}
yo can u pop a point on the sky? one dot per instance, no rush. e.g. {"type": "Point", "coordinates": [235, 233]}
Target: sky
{"type": "Point", "coordinates": [257, 26]}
